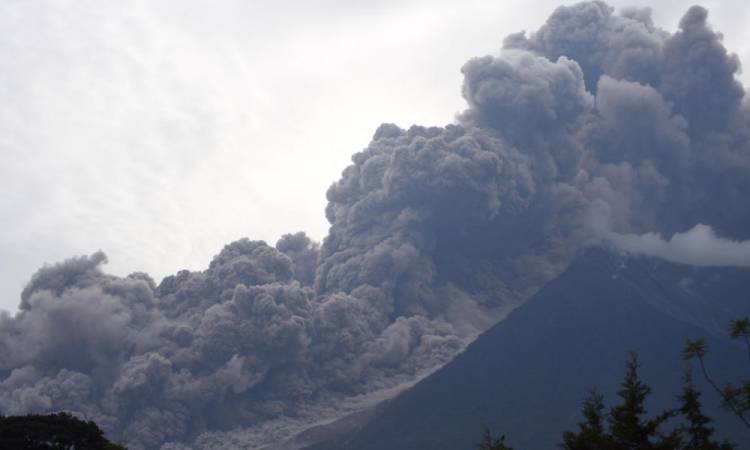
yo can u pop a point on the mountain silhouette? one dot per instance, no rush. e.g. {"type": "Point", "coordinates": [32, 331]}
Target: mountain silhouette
{"type": "Point", "coordinates": [526, 376]}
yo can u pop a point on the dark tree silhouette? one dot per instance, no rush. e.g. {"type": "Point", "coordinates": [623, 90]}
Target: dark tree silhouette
{"type": "Point", "coordinates": [59, 431]}
{"type": "Point", "coordinates": [489, 442]}
{"type": "Point", "coordinates": [696, 432]}
{"type": "Point", "coordinates": [591, 433]}
{"type": "Point", "coordinates": [627, 426]}
{"type": "Point", "coordinates": [734, 398]}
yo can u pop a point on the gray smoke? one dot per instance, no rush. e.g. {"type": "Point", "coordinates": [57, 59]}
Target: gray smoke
{"type": "Point", "coordinates": [597, 125]}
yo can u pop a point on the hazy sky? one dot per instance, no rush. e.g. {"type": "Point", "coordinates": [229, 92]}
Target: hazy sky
{"type": "Point", "coordinates": [158, 131]}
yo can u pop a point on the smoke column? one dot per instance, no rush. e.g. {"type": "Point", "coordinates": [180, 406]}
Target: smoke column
{"type": "Point", "coordinates": [599, 124]}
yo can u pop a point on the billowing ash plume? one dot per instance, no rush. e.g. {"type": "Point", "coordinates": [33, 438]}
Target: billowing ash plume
{"type": "Point", "coordinates": [598, 124]}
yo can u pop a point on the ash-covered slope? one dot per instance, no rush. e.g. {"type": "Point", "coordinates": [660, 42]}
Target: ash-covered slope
{"type": "Point", "coordinates": [526, 376]}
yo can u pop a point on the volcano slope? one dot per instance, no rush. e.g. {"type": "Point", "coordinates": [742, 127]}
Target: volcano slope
{"type": "Point", "coordinates": [526, 376]}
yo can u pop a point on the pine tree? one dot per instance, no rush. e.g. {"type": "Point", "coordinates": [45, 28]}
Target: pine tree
{"type": "Point", "coordinates": [734, 399]}
{"type": "Point", "coordinates": [591, 434]}
{"type": "Point", "coordinates": [490, 442]}
{"type": "Point", "coordinates": [697, 430]}
{"type": "Point", "coordinates": [628, 426]}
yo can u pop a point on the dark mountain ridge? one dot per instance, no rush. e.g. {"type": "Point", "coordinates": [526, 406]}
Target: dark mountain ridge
{"type": "Point", "coordinates": [526, 376]}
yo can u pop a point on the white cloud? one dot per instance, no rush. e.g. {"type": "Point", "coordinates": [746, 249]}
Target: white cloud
{"type": "Point", "coordinates": [699, 246]}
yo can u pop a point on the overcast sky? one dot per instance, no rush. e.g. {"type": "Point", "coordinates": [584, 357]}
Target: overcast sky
{"type": "Point", "coordinates": [158, 131]}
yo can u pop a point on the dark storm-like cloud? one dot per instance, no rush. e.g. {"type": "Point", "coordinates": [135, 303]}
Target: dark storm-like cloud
{"type": "Point", "coordinates": [304, 255]}
{"type": "Point", "coordinates": [625, 46]}
{"type": "Point", "coordinates": [599, 125]}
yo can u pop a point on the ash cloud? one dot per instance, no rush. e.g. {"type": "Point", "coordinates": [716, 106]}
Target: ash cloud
{"type": "Point", "coordinates": [598, 124]}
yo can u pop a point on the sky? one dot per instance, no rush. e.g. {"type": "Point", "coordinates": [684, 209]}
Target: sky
{"type": "Point", "coordinates": [159, 131]}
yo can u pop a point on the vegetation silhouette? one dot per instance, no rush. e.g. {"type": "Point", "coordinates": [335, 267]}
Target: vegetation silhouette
{"type": "Point", "coordinates": [735, 399]}
{"type": "Point", "coordinates": [628, 426]}
{"type": "Point", "coordinates": [489, 442]}
{"type": "Point", "coordinates": [61, 431]}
